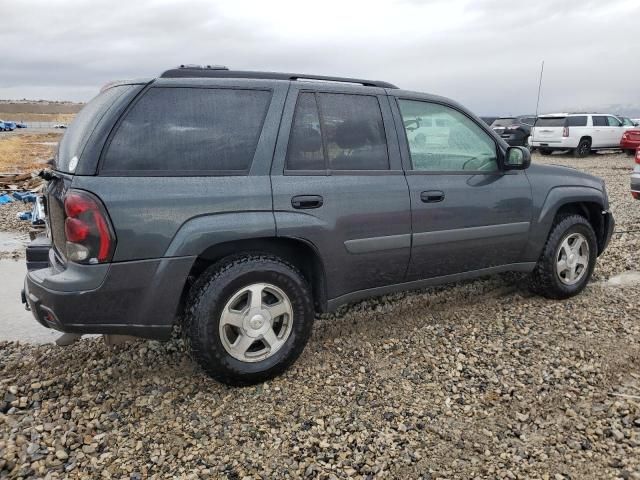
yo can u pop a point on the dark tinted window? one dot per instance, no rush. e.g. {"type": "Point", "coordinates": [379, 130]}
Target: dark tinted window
{"type": "Point", "coordinates": [579, 121]}
{"type": "Point", "coordinates": [189, 129]}
{"type": "Point", "coordinates": [528, 120]}
{"type": "Point", "coordinates": [550, 121]}
{"type": "Point", "coordinates": [503, 122]}
{"type": "Point", "coordinates": [76, 136]}
{"type": "Point", "coordinates": [353, 132]}
{"type": "Point", "coordinates": [599, 121]}
{"type": "Point", "coordinates": [305, 143]}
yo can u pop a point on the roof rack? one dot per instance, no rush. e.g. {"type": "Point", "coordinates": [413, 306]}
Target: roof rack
{"type": "Point", "coordinates": [219, 71]}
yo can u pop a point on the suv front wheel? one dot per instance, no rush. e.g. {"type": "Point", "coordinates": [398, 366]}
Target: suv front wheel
{"type": "Point", "coordinates": [248, 319]}
{"type": "Point", "coordinates": [568, 259]}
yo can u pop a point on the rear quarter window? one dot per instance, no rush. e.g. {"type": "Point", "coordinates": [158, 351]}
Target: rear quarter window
{"type": "Point", "coordinates": [76, 136]}
{"type": "Point", "coordinates": [176, 129]}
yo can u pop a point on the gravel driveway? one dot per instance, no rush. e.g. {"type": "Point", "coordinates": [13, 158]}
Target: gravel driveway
{"type": "Point", "coordinates": [476, 380]}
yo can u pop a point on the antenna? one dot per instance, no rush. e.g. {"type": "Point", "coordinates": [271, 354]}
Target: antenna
{"type": "Point", "coordinates": [539, 88]}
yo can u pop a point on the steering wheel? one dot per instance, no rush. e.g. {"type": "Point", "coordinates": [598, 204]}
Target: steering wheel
{"type": "Point", "coordinates": [485, 161]}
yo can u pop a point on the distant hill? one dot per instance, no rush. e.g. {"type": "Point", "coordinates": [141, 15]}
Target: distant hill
{"type": "Point", "coordinates": [38, 107]}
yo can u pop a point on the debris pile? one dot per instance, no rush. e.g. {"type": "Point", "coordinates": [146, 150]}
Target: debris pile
{"type": "Point", "coordinates": [26, 188]}
{"type": "Point", "coordinates": [21, 181]}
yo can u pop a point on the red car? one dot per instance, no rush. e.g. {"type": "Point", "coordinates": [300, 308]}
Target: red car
{"type": "Point", "coordinates": [630, 141]}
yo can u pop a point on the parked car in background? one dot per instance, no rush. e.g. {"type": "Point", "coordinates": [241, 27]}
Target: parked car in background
{"type": "Point", "coordinates": [635, 177]}
{"type": "Point", "coordinates": [580, 133]}
{"type": "Point", "coordinates": [59, 125]}
{"type": "Point", "coordinates": [9, 126]}
{"type": "Point", "coordinates": [269, 197]}
{"type": "Point", "coordinates": [1, 126]}
{"type": "Point", "coordinates": [630, 141]}
{"type": "Point", "coordinates": [514, 130]}
{"type": "Point", "coordinates": [21, 125]}
{"type": "Point", "coordinates": [488, 120]}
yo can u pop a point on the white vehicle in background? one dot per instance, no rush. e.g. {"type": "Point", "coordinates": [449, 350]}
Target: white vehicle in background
{"type": "Point", "coordinates": [579, 133]}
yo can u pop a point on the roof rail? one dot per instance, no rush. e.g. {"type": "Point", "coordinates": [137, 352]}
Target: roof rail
{"type": "Point", "coordinates": [216, 71]}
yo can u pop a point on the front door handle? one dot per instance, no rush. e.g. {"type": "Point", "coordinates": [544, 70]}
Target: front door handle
{"type": "Point", "coordinates": [304, 202]}
{"type": "Point", "coordinates": [432, 196]}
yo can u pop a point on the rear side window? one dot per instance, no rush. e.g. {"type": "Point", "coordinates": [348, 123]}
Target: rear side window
{"type": "Point", "coordinates": [189, 129]}
{"type": "Point", "coordinates": [550, 121]}
{"type": "Point", "coordinates": [578, 121]}
{"type": "Point", "coordinates": [76, 136]}
{"type": "Point", "coordinates": [600, 121]}
{"type": "Point", "coordinates": [305, 143]}
{"type": "Point", "coordinates": [351, 132]}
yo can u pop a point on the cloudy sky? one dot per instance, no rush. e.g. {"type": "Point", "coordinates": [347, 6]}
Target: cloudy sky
{"type": "Point", "coordinates": [484, 53]}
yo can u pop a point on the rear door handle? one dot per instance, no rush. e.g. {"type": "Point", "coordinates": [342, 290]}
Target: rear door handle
{"type": "Point", "coordinates": [432, 196]}
{"type": "Point", "coordinates": [304, 202]}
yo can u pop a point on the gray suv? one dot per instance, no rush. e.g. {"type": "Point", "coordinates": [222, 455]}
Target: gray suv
{"type": "Point", "coordinates": [239, 204]}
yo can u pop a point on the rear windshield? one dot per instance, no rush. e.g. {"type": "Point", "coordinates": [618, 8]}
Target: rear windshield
{"type": "Point", "coordinates": [78, 133]}
{"type": "Point", "coordinates": [503, 122]}
{"type": "Point", "coordinates": [550, 121]}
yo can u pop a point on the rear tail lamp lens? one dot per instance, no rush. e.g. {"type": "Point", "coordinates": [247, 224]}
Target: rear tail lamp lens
{"type": "Point", "coordinates": [638, 155]}
{"type": "Point", "coordinates": [565, 132]}
{"type": "Point", "coordinates": [88, 232]}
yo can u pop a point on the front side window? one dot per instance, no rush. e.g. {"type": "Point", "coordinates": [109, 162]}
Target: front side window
{"type": "Point", "coordinates": [442, 139]}
{"type": "Point", "coordinates": [334, 131]}
{"type": "Point", "coordinates": [189, 129]}
{"type": "Point", "coordinates": [614, 122]}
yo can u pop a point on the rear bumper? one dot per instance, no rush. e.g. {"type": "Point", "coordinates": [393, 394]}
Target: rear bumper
{"type": "Point", "coordinates": [138, 298]}
{"type": "Point", "coordinates": [559, 144]}
{"type": "Point", "coordinates": [629, 144]}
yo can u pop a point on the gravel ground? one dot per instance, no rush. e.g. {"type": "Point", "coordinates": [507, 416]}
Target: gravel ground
{"type": "Point", "coordinates": [476, 380]}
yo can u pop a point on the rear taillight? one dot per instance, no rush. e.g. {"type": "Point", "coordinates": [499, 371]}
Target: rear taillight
{"type": "Point", "coordinates": [87, 229]}
{"type": "Point", "coordinates": [638, 155]}
{"type": "Point", "coordinates": [565, 132]}
{"type": "Point", "coordinates": [625, 135]}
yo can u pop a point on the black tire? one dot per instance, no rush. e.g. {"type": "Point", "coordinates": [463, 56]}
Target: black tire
{"type": "Point", "coordinates": [583, 149]}
{"type": "Point", "coordinates": [544, 280]}
{"type": "Point", "coordinates": [630, 152]}
{"type": "Point", "coordinates": [546, 151]}
{"type": "Point", "coordinates": [208, 298]}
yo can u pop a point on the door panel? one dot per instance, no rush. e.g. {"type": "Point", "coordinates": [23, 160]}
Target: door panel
{"type": "Point", "coordinates": [483, 221]}
{"type": "Point", "coordinates": [466, 213]}
{"type": "Point", "coordinates": [361, 226]}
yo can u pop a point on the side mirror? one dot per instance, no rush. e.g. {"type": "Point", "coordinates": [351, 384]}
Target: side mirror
{"type": "Point", "coordinates": [517, 158]}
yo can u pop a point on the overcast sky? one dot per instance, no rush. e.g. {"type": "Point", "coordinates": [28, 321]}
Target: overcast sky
{"type": "Point", "coordinates": [484, 53]}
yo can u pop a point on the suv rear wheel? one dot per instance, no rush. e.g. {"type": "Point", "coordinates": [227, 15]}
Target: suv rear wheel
{"type": "Point", "coordinates": [568, 259]}
{"type": "Point", "coordinates": [583, 149]}
{"type": "Point", "coordinates": [248, 319]}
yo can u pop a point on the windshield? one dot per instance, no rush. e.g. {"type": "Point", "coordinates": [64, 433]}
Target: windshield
{"type": "Point", "coordinates": [503, 122]}
{"type": "Point", "coordinates": [550, 121]}
{"type": "Point", "coordinates": [80, 129]}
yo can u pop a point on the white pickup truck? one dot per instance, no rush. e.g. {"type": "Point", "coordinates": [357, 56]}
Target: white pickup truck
{"type": "Point", "coordinates": [578, 132]}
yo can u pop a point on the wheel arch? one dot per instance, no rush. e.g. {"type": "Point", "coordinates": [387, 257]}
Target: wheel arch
{"type": "Point", "coordinates": [299, 252]}
{"type": "Point", "coordinates": [585, 201]}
